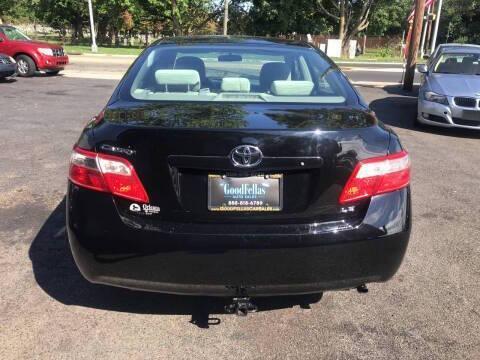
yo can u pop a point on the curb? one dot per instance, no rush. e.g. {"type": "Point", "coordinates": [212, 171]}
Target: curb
{"type": "Point", "coordinates": [368, 63]}
{"type": "Point", "coordinates": [103, 55]}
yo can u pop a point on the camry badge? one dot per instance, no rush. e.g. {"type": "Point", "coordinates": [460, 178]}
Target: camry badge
{"type": "Point", "coordinates": [246, 156]}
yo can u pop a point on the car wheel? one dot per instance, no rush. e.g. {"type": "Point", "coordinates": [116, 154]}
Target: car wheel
{"type": "Point", "coordinates": [25, 66]}
{"type": "Point", "coordinates": [53, 72]}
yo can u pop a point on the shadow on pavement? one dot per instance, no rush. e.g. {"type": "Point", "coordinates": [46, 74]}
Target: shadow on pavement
{"type": "Point", "coordinates": [56, 273]}
{"type": "Point", "coordinates": [7, 80]}
{"type": "Point", "coordinates": [400, 111]}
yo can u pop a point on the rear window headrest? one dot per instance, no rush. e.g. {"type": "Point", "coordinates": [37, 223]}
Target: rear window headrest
{"type": "Point", "coordinates": [191, 63]}
{"type": "Point", "coordinates": [273, 71]}
{"type": "Point", "coordinates": [291, 88]}
{"type": "Point", "coordinates": [188, 78]}
{"type": "Point", "coordinates": [232, 84]}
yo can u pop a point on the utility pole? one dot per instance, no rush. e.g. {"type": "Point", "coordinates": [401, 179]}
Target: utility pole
{"type": "Point", "coordinates": [225, 19]}
{"type": "Point", "coordinates": [424, 32]}
{"type": "Point", "coordinates": [437, 22]}
{"type": "Point", "coordinates": [414, 42]}
{"type": "Point", "coordinates": [92, 27]}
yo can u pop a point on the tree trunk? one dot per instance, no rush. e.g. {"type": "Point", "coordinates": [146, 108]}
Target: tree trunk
{"type": "Point", "coordinates": [341, 27]}
{"type": "Point", "coordinates": [63, 34]}
{"type": "Point", "coordinates": [345, 45]}
{"type": "Point", "coordinates": [117, 37]}
{"type": "Point", "coordinates": [110, 37]}
{"type": "Point", "coordinates": [177, 27]}
{"type": "Point", "coordinates": [77, 30]}
{"type": "Point", "coordinates": [79, 27]}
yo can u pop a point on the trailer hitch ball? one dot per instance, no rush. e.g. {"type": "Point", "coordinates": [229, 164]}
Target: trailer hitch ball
{"type": "Point", "coordinates": [241, 306]}
{"type": "Point", "coordinates": [362, 289]}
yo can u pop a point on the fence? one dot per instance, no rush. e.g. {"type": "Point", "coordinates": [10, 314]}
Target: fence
{"type": "Point", "coordinates": [371, 43]}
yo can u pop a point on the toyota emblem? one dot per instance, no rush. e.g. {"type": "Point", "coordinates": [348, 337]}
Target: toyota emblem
{"type": "Point", "coordinates": [246, 156]}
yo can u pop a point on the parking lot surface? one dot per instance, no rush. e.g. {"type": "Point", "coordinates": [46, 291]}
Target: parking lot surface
{"type": "Point", "coordinates": [429, 310]}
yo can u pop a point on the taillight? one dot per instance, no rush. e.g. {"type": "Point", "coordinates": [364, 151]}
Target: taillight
{"type": "Point", "coordinates": [377, 176]}
{"type": "Point", "coordinates": [106, 173]}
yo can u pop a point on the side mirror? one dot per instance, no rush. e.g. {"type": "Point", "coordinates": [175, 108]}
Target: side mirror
{"type": "Point", "coordinates": [422, 68]}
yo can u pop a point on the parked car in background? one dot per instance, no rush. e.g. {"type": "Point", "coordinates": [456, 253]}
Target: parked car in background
{"type": "Point", "coordinates": [450, 89]}
{"type": "Point", "coordinates": [8, 66]}
{"type": "Point", "coordinates": [30, 55]}
{"type": "Point", "coordinates": [449, 46]}
{"type": "Point", "coordinates": [240, 167]}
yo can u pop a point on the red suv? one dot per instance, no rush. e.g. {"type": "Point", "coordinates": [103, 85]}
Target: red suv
{"type": "Point", "coordinates": [31, 55]}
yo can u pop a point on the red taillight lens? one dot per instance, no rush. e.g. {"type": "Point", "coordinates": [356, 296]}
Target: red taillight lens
{"type": "Point", "coordinates": [377, 176]}
{"type": "Point", "coordinates": [106, 173]}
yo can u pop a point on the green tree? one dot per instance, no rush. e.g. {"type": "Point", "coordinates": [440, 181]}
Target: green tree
{"type": "Point", "coordinates": [63, 15]}
{"type": "Point", "coordinates": [389, 17]}
{"type": "Point", "coordinates": [110, 16]}
{"type": "Point", "coordinates": [17, 10]}
{"type": "Point", "coordinates": [281, 17]}
{"type": "Point", "coordinates": [460, 22]}
{"type": "Point", "coordinates": [351, 16]}
{"type": "Point", "coordinates": [5, 7]}
{"type": "Point", "coordinates": [183, 17]}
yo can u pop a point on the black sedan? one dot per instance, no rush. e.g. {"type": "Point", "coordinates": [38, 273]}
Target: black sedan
{"type": "Point", "coordinates": [225, 166]}
{"type": "Point", "coordinates": [8, 66]}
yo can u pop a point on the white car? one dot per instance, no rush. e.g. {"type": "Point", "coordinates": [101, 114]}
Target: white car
{"type": "Point", "coordinates": [450, 90]}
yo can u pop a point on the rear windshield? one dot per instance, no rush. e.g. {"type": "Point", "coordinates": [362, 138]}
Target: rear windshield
{"type": "Point", "coordinates": [466, 64]}
{"type": "Point", "coordinates": [228, 73]}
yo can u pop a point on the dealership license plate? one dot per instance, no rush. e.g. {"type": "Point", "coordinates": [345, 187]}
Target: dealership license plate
{"type": "Point", "coordinates": [251, 193]}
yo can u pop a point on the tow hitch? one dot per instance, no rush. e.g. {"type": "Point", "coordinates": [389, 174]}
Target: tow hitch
{"type": "Point", "coordinates": [241, 306]}
{"type": "Point", "coordinates": [362, 289]}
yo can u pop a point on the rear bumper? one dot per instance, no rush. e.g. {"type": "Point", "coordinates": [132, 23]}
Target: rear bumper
{"type": "Point", "coordinates": [109, 252]}
{"type": "Point", "coordinates": [8, 70]}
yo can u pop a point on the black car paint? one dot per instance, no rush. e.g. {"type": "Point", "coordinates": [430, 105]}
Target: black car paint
{"type": "Point", "coordinates": [313, 244]}
{"type": "Point", "coordinates": [7, 68]}
{"type": "Point", "coordinates": [219, 259]}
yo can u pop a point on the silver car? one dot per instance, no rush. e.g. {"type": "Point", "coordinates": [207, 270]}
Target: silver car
{"type": "Point", "coordinates": [449, 46]}
{"type": "Point", "coordinates": [8, 66]}
{"type": "Point", "coordinates": [450, 89]}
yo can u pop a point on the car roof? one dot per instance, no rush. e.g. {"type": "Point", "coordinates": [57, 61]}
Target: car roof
{"type": "Point", "coordinates": [238, 40]}
{"type": "Point", "coordinates": [462, 50]}
{"type": "Point", "coordinates": [459, 46]}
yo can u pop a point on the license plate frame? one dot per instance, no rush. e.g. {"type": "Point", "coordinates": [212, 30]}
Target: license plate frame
{"type": "Point", "coordinates": [254, 193]}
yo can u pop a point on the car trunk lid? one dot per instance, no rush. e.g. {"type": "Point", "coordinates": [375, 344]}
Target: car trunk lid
{"type": "Point", "coordinates": [175, 147]}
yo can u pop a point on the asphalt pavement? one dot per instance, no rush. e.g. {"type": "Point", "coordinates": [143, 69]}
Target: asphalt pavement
{"type": "Point", "coordinates": [429, 310]}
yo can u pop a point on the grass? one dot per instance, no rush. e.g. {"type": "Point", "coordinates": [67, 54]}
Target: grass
{"type": "Point", "coordinates": [377, 55]}
{"type": "Point", "coordinates": [84, 49]}
{"type": "Point", "coordinates": [372, 55]}
{"type": "Point", "coordinates": [367, 58]}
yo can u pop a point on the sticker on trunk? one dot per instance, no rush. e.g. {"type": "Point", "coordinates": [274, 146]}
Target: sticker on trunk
{"type": "Point", "coordinates": [144, 209]}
